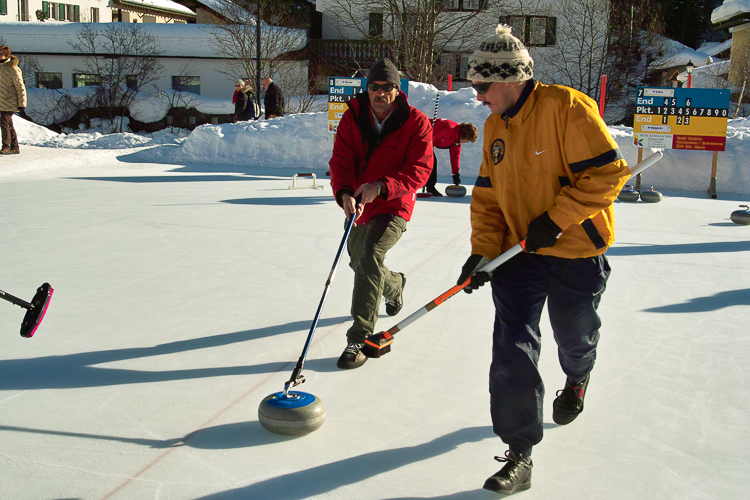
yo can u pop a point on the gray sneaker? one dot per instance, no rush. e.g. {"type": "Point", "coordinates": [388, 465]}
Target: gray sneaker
{"type": "Point", "coordinates": [352, 357]}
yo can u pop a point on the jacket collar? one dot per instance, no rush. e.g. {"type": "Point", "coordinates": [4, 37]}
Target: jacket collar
{"type": "Point", "coordinates": [513, 110]}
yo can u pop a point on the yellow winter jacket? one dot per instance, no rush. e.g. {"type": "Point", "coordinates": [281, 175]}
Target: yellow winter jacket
{"type": "Point", "coordinates": [12, 89]}
{"type": "Point", "coordinates": [550, 152]}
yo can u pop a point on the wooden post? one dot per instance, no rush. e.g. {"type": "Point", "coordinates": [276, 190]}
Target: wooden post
{"type": "Point", "coordinates": [638, 177]}
{"type": "Point", "coordinates": [712, 185]}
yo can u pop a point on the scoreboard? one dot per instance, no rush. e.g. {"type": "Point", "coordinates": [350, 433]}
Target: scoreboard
{"type": "Point", "coordinates": [681, 118]}
{"type": "Point", "coordinates": [341, 90]}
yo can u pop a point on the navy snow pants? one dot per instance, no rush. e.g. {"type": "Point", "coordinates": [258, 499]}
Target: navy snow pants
{"type": "Point", "coordinates": [573, 289]}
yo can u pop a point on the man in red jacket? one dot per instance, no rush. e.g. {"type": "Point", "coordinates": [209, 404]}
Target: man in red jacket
{"type": "Point", "coordinates": [382, 151]}
{"type": "Point", "coordinates": [447, 134]}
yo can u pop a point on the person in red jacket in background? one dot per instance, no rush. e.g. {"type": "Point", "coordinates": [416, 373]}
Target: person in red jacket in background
{"type": "Point", "coordinates": [447, 134]}
{"type": "Point", "coordinates": [383, 152]}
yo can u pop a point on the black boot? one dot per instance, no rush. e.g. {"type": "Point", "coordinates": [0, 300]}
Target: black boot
{"type": "Point", "coordinates": [514, 476]}
{"type": "Point", "coordinates": [352, 357]}
{"type": "Point", "coordinates": [569, 401]}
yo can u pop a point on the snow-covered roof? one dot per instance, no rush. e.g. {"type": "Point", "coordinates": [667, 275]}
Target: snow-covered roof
{"type": "Point", "coordinates": [730, 9]}
{"type": "Point", "coordinates": [175, 40]}
{"type": "Point", "coordinates": [677, 54]}
{"type": "Point", "coordinates": [716, 48]}
{"type": "Point", "coordinates": [706, 76]}
{"type": "Point", "coordinates": [165, 5]}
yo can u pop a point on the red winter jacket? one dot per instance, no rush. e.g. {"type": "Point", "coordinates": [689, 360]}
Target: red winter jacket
{"type": "Point", "coordinates": [445, 136]}
{"type": "Point", "coordinates": [400, 157]}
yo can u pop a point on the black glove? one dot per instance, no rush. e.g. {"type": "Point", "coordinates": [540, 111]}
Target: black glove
{"type": "Point", "coordinates": [542, 233]}
{"type": "Point", "coordinates": [456, 179]}
{"type": "Point", "coordinates": [474, 262]}
{"type": "Point", "coordinates": [21, 110]}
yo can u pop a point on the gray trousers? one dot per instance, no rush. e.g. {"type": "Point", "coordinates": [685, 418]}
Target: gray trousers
{"type": "Point", "coordinates": [367, 247]}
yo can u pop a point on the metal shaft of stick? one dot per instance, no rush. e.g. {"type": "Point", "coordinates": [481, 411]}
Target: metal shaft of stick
{"type": "Point", "coordinates": [296, 377]}
{"type": "Point", "coordinates": [14, 300]}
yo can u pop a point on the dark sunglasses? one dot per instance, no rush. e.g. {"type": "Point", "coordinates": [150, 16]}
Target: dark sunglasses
{"type": "Point", "coordinates": [387, 87]}
{"type": "Point", "coordinates": [481, 88]}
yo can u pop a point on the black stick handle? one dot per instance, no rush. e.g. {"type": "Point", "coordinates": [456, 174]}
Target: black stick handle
{"type": "Point", "coordinates": [14, 300]}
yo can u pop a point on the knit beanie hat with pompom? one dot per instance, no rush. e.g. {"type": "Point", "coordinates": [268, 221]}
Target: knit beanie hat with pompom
{"type": "Point", "coordinates": [501, 58]}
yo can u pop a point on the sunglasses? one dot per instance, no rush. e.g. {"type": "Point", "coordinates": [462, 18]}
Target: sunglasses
{"type": "Point", "coordinates": [481, 88]}
{"type": "Point", "coordinates": [387, 87]}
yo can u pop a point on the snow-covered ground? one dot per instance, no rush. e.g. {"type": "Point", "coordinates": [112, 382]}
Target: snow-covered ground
{"type": "Point", "coordinates": [185, 286]}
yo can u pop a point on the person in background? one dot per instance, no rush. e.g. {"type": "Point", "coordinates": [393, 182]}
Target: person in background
{"type": "Point", "coordinates": [240, 100]}
{"type": "Point", "coordinates": [383, 153]}
{"type": "Point", "coordinates": [447, 134]}
{"type": "Point", "coordinates": [274, 100]}
{"type": "Point", "coordinates": [550, 173]}
{"type": "Point", "coordinates": [12, 99]}
{"type": "Point", "coordinates": [252, 109]}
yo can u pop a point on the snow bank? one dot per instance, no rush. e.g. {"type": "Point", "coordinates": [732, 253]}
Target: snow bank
{"type": "Point", "coordinates": [302, 142]}
{"type": "Point", "coordinates": [31, 134]}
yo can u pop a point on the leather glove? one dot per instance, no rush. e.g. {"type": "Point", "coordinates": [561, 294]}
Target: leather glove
{"type": "Point", "coordinates": [456, 179]}
{"type": "Point", "coordinates": [542, 233]}
{"type": "Point", "coordinates": [474, 262]}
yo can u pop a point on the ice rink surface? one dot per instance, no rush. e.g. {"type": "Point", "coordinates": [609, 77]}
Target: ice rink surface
{"type": "Point", "coordinates": [184, 294]}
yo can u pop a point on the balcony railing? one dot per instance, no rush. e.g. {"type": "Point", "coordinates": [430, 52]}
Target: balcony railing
{"type": "Point", "coordinates": [349, 51]}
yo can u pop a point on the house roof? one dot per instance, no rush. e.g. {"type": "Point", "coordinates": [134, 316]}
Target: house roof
{"type": "Point", "coordinates": [175, 40]}
{"type": "Point", "coordinates": [731, 13]}
{"type": "Point", "coordinates": [166, 6]}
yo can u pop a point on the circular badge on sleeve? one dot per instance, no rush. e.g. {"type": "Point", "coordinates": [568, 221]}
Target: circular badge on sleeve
{"type": "Point", "coordinates": [498, 150]}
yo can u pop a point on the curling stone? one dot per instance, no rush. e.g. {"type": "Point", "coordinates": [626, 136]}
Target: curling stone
{"type": "Point", "coordinates": [455, 191]}
{"type": "Point", "coordinates": [294, 415]}
{"type": "Point", "coordinates": [741, 216]}
{"type": "Point", "coordinates": [628, 194]}
{"type": "Point", "coordinates": [651, 196]}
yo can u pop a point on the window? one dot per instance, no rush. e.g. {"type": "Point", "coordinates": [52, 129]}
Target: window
{"type": "Point", "coordinates": [49, 9]}
{"type": "Point", "coordinates": [49, 80]}
{"type": "Point", "coordinates": [465, 5]}
{"type": "Point", "coordinates": [464, 65]}
{"type": "Point", "coordinates": [84, 80]}
{"type": "Point", "coordinates": [376, 24]}
{"type": "Point", "coordinates": [94, 15]}
{"type": "Point", "coordinates": [61, 12]}
{"type": "Point", "coordinates": [533, 31]}
{"type": "Point", "coordinates": [187, 84]}
{"type": "Point", "coordinates": [132, 82]}
{"type": "Point", "coordinates": [3, 7]}
{"type": "Point", "coordinates": [149, 19]}
{"type": "Point", "coordinates": [73, 13]}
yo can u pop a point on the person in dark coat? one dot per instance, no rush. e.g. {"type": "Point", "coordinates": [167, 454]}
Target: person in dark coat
{"type": "Point", "coordinates": [274, 100]}
{"type": "Point", "coordinates": [240, 100]}
{"type": "Point", "coordinates": [383, 152]}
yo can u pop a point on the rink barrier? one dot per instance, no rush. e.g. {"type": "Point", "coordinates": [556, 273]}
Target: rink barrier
{"type": "Point", "coordinates": [314, 185]}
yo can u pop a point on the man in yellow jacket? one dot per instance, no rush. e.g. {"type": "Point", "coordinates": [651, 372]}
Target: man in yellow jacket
{"type": "Point", "coordinates": [550, 174]}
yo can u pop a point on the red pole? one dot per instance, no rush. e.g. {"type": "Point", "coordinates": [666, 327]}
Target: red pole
{"type": "Point", "coordinates": [690, 81]}
{"type": "Point", "coordinates": [602, 95]}
{"type": "Point", "coordinates": [450, 82]}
